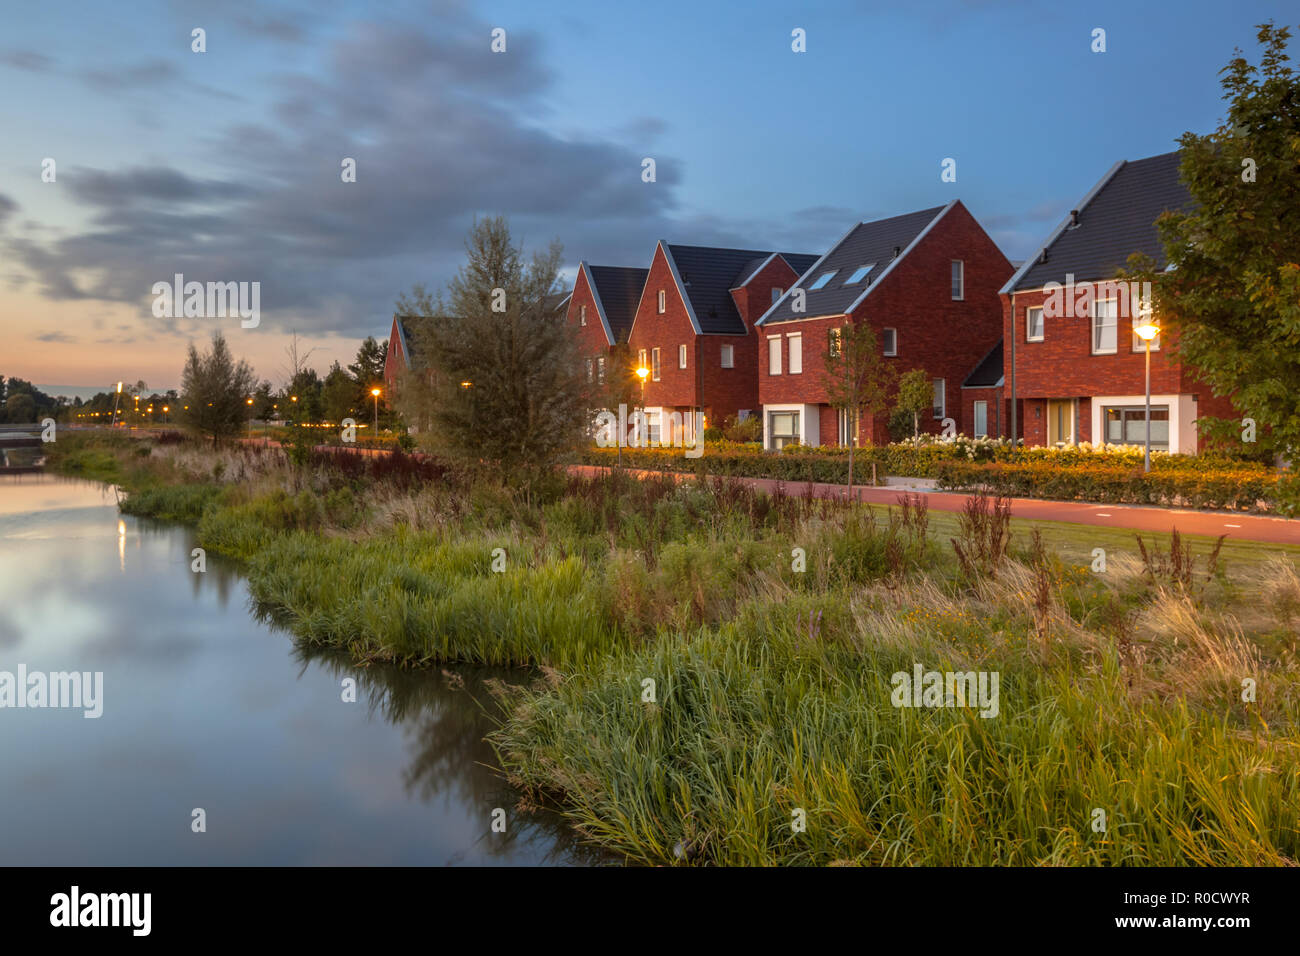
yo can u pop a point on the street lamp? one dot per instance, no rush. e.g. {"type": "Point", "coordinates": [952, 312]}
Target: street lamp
{"type": "Point", "coordinates": [643, 373]}
{"type": "Point", "coordinates": [375, 392]}
{"type": "Point", "coordinates": [249, 403]}
{"type": "Point", "coordinates": [1146, 332]}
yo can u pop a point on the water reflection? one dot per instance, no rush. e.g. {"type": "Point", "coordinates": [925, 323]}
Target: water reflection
{"type": "Point", "coordinates": [207, 706]}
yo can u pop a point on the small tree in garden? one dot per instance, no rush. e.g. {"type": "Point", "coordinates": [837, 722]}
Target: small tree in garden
{"type": "Point", "coordinates": [915, 395]}
{"type": "Point", "coordinates": [856, 376]}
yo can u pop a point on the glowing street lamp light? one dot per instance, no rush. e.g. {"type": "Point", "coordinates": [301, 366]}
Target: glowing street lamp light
{"type": "Point", "coordinates": [375, 393]}
{"type": "Point", "coordinates": [1146, 332]}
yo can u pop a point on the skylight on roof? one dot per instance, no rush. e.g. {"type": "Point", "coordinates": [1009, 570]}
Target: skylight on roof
{"type": "Point", "coordinates": [824, 278]}
{"type": "Point", "coordinates": [859, 273]}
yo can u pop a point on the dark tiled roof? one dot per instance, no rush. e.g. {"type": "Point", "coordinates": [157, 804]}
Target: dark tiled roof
{"type": "Point", "coordinates": [799, 262]}
{"type": "Point", "coordinates": [556, 299]}
{"type": "Point", "coordinates": [989, 371]}
{"type": "Point", "coordinates": [619, 289]}
{"type": "Point", "coordinates": [869, 242]}
{"type": "Point", "coordinates": [409, 328]}
{"type": "Point", "coordinates": [709, 274]}
{"type": "Point", "coordinates": [1118, 220]}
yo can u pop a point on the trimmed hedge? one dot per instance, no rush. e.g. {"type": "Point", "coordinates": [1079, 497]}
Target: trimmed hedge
{"type": "Point", "coordinates": [1239, 488]}
{"type": "Point", "coordinates": [1072, 474]}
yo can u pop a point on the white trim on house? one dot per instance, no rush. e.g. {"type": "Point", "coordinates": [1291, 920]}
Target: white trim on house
{"type": "Point", "coordinates": [1182, 418]}
{"type": "Point", "coordinates": [809, 423]}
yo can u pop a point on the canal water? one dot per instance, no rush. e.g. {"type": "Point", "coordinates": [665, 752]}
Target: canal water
{"type": "Point", "coordinates": [206, 707]}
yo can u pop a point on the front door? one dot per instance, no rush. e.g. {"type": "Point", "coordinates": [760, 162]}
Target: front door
{"type": "Point", "coordinates": [1060, 421]}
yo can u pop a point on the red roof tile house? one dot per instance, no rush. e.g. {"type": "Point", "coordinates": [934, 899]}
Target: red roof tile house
{"type": "Point", "coordinates": [601, 308]}
{"type": "Point", "coordinates": [694, 330]}
{"type": "Point", "coordinates": [1071, 356]}
{"type": "Point", "coordinates": [400, 345]}
{"type": "Point", "coordinates": [927, 282]}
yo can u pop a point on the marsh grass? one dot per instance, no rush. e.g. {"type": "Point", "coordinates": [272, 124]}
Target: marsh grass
{"type": "Point", "coordinates": [1120, 691]}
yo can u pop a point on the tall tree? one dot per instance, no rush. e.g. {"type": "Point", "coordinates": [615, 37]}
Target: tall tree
{"type": "Point", "coordinates": [856, 377]}
{"type": "Point", "coordinates": [216, 389]}
{"type": "Point", "coordinates": [1232, 292]}
{"type": "Point", "coordinates": [339, 395]}
{"type": "Point", "coordinates": [507, 387]}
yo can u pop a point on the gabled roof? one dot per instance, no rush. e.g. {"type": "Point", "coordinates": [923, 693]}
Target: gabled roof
{"type": "Point", "coordinates": [557, 300]}
{"type": "Point", "coordinates": [881, 244]}
{"type": "Point", "coordinates": [988, 374]}
{"type": "Point", "coordinates": [408, 333]}
{"type": "Point", "coordinates": [1116, 218]}
{"type": "Point", "coordinates": [617, 290]}
{"type": "Point", "coordinates": [707, 274]}
{"type": "Point", "coordinates": [798, 261]}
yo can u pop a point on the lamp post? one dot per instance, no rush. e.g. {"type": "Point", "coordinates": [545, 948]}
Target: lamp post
{"type": "Point", "coordinates": [642, 373]}
{"type": "Point", "coordinates": [116, 398]}
{"type": "Point", "coordinates": [375, 393]}
{"type": "Point", "coordinates": [1146, 332]}
{"type": "Point", "coordinates": [249, 403]}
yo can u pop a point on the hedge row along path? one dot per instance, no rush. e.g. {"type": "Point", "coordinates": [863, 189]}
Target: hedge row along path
{"type": "Point", "coordinates": [1243, 527]}
{"type": "Point", "coordinates": [1134, 517]}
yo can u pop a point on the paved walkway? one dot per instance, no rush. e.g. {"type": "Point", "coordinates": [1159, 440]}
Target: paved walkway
{"type": "Point", "coordinates": [1245, 527]}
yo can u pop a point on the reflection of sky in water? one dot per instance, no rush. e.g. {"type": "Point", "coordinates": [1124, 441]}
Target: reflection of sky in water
{"type": "Point", "coordinates": [206, 707]}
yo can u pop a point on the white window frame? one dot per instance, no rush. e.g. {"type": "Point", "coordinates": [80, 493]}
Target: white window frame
{"type": "Point", "coordinates": [600, 370]}
{"type": "Point", "coordinates": [1114, 323]}
{"type": "Point", "coordinates": [643, 360]}
{"type": "Point", "coordinates": [941, 397]}
{"type": "Point", "coordinates": [976, 409]}
{"type": "Point", "coordinates": [656, 365]}
{"type": "Point", "coordinates": [834, 342]}
{"type": "Point", "coordinates": [662, 302]}
{"type": "Point", "coordinates": [728, 357]}
{"type": "Point", "coordinates": [1029, 328]}
{"type": "Point", "coordinates": [958, 280]}
{"type": "Point", "coordinates": [888, 351]}
{"type": "Point", "coordinates": [591, 370]}
{"type": "Point", "coordinates": [794, 348]}
{"type": "Point", "coordinates": [1139, 343]}
{"type": "Point", "coordinates": [681, 356]}
{"type": "Point", "coordinates": [582, 314]}
{"type": "Point", "coordinates": [847, 434]}
{"type": "Point", "coordinates": [774, 356]}
{"type": "Point", "coordinates": [796, 420]}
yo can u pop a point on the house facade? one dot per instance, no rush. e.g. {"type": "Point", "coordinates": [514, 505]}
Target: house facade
{"type": "Point", "coordinates": [1071, 356]}
{"type": "Point", "coordinates": [693, 329]}
{"type": "Point", "coordinates": [927, 282]}
{"type": "Point", "coordinates": [600, 309]}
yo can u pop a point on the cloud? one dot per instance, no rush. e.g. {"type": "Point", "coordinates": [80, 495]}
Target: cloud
{"type": "Point", "coordinates": [28, 60]}
{"type": "Point", "coordinates": [7, 208]}
{"type": "Point", "coordinates": [442, 131]}
{"type": "Point", "coordinates": [60, 337]}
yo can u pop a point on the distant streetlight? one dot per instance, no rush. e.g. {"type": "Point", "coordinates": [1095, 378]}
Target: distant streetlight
{"type": "Point", "coordinates": [116, 398]}
{"type": "Point", "coordinates": [375, 392]}
{"type": "Point", "coordinates": [165, 411]}
{"type": "Point", "coordinates": [249, 403]}
{"type": "Point", "coordinates": [1146, 333]}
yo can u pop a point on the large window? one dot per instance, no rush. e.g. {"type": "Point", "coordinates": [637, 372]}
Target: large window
{"type": "Point", "coordinates": [654, 364]}
{"type": "Point", "coordinates": [981, 419]}
{"type": "Point", "coordinates": [890, 338]}
{"type": "Point", "coordinates": [1126, 425]}
{"type": "Point", "coordinates": [796, 353]}
{"type": "Point", "coordinates": [783, 428]}
{"type": "Point", "coordinates": [1034, 323]}
{"type": "Point", "coordinates": [958, 279]}
{"type": "Point", "coordinates": [774, 355]}
{"type": "Point", "coordinates": [1104, 330]}
{"type": "Point", "coordinates": [728, 356]}
{"type": "Point", "coordinates": [940, 398]}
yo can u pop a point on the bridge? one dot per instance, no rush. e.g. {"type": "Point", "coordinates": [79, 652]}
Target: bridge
{"type": "Point", "coordinates": [21, 449]}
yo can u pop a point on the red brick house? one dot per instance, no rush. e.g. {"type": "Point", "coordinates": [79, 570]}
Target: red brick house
{"type": "Point", "coordinates": [693, 328]}
{"type": "Point", "coordinates": [1071, 359]}
{"type": "Point", "coordinates": [927, 282]}
{"type": "Point", "coordinates": [601, 308]}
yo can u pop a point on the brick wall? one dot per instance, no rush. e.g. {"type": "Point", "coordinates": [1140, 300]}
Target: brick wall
{"type": "Point", "coordinates": [947, 338]}
{"type": "Point", "coordinates": [676, 387]}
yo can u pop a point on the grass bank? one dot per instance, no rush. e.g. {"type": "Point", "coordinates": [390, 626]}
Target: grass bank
{"type": "Point", "coordinates": [714, 668]}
